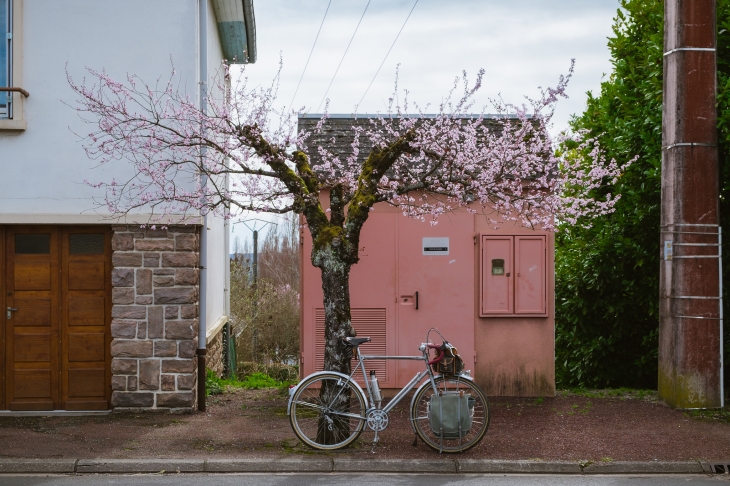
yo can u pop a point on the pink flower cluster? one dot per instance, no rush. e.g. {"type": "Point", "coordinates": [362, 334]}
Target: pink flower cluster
{"type": "Point", "coordinates": [240, 154]}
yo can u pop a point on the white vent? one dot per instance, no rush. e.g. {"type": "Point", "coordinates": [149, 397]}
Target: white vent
{"type": "Point", "coordinates": [368, 323]}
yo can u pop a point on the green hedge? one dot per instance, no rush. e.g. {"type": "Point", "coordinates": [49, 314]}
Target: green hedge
{"type": "Point", "coordinates": [607, 282]}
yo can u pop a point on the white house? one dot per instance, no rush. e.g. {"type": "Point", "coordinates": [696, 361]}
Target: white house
{"type": "Point", "coordinates": [101, 313]}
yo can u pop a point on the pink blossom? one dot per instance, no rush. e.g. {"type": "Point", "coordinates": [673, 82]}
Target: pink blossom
{"type": "Point", "coordinates": [508, 163]}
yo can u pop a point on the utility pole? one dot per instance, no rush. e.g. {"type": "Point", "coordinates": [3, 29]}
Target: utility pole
{"type": "Point", "coordinates": [690, 312]}
{"type": "Point", "coordinates": [255, 337]}
{"type": "Point", "coordinates": [255, 271]}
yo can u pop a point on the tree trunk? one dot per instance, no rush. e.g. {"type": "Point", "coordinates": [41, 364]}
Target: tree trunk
{"type": "Point", "coordinates": [337, 325]}
{"type": "Point", "coordinates": [337, 320]}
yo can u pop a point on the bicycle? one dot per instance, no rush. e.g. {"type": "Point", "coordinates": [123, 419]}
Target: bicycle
{"type": "Point", "coordinates": [448, 412]}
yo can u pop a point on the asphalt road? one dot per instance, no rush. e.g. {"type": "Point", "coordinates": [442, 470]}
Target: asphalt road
{"type": "Point", "coordinates": [356, 480]}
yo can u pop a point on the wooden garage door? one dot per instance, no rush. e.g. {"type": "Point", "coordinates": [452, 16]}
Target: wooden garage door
{"type": "Point", "coordinates": [57, 296]}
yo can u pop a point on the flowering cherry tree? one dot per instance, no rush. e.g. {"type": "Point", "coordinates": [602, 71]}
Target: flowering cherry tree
{"type": "Point", "coordinates": [244, 154]}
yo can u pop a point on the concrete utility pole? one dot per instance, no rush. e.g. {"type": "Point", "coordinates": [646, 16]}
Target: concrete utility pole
{"type": "Point", "coordinates": [690, 314]}
{"type": "Point", "coordinates": [255, 268]}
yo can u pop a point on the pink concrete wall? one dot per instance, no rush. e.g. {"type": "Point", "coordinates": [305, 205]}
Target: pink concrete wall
{"type": "Point", "coordinates": [510, 356]}
{"type": "Point", "coordinates": [516, 355]}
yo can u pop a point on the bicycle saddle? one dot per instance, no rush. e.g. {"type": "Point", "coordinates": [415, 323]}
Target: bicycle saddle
{"type": "Point", "coordinates": [355, 342]}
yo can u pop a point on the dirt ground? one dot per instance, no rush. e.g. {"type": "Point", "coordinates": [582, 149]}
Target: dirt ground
{"type": "Point", "coordinates": [253, 423]}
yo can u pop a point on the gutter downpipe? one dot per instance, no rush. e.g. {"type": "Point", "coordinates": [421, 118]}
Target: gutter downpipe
{"type": "Point", "coordinates": [202, 311]}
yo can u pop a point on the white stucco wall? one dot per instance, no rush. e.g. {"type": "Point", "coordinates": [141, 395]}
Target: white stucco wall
{"type": "Point", "coordinates": [44, 166]}
{"type": "Point", "coordinates": [217, 253]}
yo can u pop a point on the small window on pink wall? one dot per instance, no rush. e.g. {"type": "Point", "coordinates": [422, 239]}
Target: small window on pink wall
{"type": "Point", "coordinates": [497, 275]}
{"type": "Point", "coordinates": [513, 276]}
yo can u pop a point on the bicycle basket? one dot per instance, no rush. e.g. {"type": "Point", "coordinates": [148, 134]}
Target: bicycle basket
{"type": "Point", "coordinates": [451, 364]}
{"type": "Point", "coordinates": [450, 414]}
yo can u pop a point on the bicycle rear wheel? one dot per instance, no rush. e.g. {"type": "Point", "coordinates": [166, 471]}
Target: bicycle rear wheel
{"type": "Point", "coordinates": [328, 411]}
{"type": "Point", "coordinates": [478, 408]}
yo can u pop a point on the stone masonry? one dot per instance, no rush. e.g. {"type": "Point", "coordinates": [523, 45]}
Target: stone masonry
{"type": "Point", "coordinates": [214, 356]}
{"type": "Point", "coordinates": [154, 317]}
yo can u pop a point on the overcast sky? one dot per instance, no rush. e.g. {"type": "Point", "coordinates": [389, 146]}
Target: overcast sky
{"type": "Point", "coordinates": [522, 45]}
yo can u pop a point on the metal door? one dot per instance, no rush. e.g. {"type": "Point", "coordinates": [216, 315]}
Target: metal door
{"type": "Point", "coordinates": [497, 275]}
{"type": "Point", "coordinates": [372, 291]}
{"type": "Point", "coordinates": [435, 286]}
{"type": "Point", "coordinates": [531, 284]}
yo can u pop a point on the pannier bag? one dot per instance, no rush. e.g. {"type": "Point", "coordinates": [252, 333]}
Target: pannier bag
{"type": "Point", "coordinates": [449, 414]}
{"type": "Point", "coordinates": [451, 363]}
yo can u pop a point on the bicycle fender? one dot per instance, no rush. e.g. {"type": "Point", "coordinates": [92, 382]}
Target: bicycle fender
{"type": "Point", "coordinates": [319, 373]}
{"type": "Point", "coordinates": [425, 384]}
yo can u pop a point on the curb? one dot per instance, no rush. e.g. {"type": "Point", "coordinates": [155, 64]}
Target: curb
{"type": "Point", "coordinates": [40, 466]}
{"type": "Point", "coordinates": [437, 465]}
{"type": "Point", "coordinates": [688, 467]}
{"type": "Point", "coordinates": [518, 467]}
{"type": "Point", "coordinates": [339, 465]}
{"type": "Point", "coordinates": [314, 464]}
{"type": "Point", "coordinates": [122, 466]}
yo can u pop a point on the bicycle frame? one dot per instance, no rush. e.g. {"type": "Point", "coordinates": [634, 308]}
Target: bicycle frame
{"type": "Point", "coordinates": [404, 391]}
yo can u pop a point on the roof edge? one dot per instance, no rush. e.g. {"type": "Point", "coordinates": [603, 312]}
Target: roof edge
{"type": "Point", "coordinates": [250, 23]}
{"type": "Point", "coordinates": [427, 115]}
{"type": "Point", "coordinates": [236, 30]}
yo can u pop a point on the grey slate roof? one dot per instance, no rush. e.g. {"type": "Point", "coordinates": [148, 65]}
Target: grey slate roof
{"type": "Point", "coordinates": [337, 135]}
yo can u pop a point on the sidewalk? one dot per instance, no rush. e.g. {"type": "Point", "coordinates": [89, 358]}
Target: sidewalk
{"type": "Point", "coordinates": [249, 431]}
{"type": "Point", "coordinates": [437, 465]}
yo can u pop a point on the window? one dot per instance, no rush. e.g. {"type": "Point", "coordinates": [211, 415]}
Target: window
{"type": "Point", "coordinates": [32, 244]}
{"type": "Point", "coordinates": [86, 243]}
{"type": "Point", "coordinates": [513, 276]}
{"type": "Point", "coordinates": [6, 58]}
{"type": "Point", "coordinates": [11, 68]}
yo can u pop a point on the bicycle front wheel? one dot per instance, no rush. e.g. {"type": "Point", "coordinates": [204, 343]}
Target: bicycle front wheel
{"type": "Point", "coordinates": [328, 411]}
{"type": "Point", "coordinates": [478, 409]}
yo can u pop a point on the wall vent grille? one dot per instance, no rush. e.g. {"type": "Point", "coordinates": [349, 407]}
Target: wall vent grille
{"type": "Point", "coordinates": [368, 323]}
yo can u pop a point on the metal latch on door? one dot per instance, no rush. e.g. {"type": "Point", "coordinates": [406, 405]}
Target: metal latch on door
{"type": "Point", "coordinates": [10, 311]}
{"type": "Point", "coordinates": [409, 300]}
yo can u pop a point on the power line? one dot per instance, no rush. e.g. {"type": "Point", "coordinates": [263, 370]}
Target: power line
{"type": "Point", "coordinates": [310, 55]}
{"type": "Point", "coordinates": [343, 55]}
{"type": "Point", "coordinates": [386, 55]}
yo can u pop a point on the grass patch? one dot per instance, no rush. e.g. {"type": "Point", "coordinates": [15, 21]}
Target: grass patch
{"type": "Point", "coordinates": [586, 408]}
{"type": "Point", "coordinates": [254, 381]}
{"type": "Point", "coordinates": [722, 415]}
{"type": "Point", "coordinates": [259, 381]}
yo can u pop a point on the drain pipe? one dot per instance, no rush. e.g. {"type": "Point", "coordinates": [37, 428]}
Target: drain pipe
{"type": "Point", "coordinates": [202, 310]}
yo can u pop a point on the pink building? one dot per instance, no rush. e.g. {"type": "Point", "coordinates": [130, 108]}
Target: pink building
{"type": "Point", "coordinates": [489, 291]}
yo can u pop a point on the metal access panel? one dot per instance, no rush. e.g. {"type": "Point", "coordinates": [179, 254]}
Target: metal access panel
{"type": "Point", "coordinates": [531, 281]}
{"type": "Point", "coordinates": [497, 275]}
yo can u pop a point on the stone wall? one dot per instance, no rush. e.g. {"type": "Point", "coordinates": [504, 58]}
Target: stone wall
{"type": "Point", "coordinates": [214, 356]}
{"type": "Point", "coordinates": [155, 286]}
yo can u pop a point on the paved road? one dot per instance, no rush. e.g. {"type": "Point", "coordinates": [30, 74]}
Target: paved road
{"type": "Point", "coordinates": [357, 480]}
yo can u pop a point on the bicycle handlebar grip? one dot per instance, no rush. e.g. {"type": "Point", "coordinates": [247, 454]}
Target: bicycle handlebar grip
{"type": "Point", "coordinates": [437, 358]}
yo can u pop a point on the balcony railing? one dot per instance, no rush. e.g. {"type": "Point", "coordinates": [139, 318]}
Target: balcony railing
{"type": "Point", "coordinates": [16, 90]}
